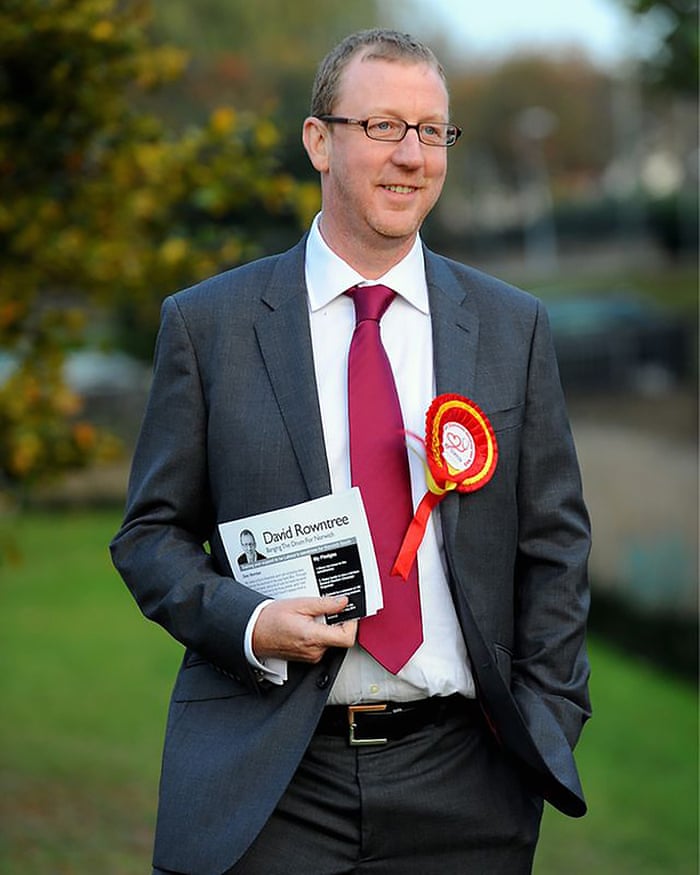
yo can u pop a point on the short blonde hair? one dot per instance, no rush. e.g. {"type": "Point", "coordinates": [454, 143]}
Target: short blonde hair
{"type": "Point", "coordinates": [387, 45]}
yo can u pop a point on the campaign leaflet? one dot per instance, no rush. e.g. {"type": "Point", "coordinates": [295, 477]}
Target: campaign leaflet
{"type": "Point", "coordinates": [321, 547]}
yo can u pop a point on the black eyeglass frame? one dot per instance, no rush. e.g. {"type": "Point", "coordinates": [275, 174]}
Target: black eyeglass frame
{"type": "Point", "coordinates": [364, 124]}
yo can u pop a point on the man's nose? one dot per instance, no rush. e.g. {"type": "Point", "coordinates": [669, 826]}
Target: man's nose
{"type": "Point", "coordinates": [410, 149]}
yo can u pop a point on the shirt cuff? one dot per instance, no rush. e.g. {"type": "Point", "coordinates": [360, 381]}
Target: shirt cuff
{"type": "Point", "coordinates": [270, 669]}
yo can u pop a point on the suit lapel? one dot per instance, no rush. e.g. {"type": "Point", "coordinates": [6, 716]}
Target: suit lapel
{"type": "Point", "coordinates": [455, 342]}
{"type": "Point", "coordinates": [455, 330]}
{"type": "Point", "coordinates": [284, 338]}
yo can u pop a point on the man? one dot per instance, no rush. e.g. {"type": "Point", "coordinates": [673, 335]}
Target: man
{"type": "Point", "coordinates": [250, 553]}
{"type": "Point", "coordinates": [466, 733]}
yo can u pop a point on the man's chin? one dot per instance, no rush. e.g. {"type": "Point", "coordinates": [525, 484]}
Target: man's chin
{"type": "Point", "coordinates": [396, 232]}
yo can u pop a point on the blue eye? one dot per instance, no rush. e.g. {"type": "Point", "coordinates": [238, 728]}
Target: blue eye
{"type": "Point", "coordinates": [384, 127]}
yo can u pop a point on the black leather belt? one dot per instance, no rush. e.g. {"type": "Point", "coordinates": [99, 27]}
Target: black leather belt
{"type": "Point", "coordinates": [380, 722]}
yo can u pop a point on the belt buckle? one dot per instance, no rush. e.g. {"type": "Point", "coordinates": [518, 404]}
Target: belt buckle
{"type": "Point", "coordinates": [359, 709]}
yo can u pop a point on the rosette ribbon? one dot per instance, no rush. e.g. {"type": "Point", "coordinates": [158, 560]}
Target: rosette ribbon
{"type": "Point", "coordinates": [461, 454]}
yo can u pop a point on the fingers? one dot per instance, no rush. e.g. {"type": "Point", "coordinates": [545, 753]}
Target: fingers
{"type": "Point", "coordinates": [289, 629]}
{"type": "Point", "coordinates": [346, 632]}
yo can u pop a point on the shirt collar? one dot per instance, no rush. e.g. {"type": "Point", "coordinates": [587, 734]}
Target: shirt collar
{"type": "Point", "coordinates": [328, 276]}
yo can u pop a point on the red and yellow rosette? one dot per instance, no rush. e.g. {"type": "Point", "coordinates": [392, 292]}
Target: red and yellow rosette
{"type": "Point", "coordinates": [461, 454]}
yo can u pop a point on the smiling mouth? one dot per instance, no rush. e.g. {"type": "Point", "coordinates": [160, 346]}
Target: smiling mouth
{"type": "Point", "coordinates": [401, 189]}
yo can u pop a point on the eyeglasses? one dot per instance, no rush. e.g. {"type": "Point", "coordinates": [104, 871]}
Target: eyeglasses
{"type": "Point", "coordinates": [393, 130]}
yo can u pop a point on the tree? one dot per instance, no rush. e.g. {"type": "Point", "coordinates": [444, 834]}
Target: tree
{"type": "Point", "coordinates": [102, 204]}
{"type": "Point", "coordinates": [261, 54]}
{"type": "Point", "coordinates": [492, 99]}
{"type": "Point", "coordinates": [675, 65]}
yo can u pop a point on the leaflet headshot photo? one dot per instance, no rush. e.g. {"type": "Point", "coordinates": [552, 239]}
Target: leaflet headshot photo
{"type": "Point", "coordinates": [250, 553]}
{"type": "Point", "coordinates": [423, 739]}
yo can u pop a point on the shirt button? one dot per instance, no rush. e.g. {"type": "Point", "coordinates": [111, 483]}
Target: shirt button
{"type": "Point", "coordinates": [374, 688]}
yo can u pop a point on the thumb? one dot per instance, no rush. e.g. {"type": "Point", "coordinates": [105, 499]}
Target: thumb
{"type": "Point", "coordinates": [327, 605]}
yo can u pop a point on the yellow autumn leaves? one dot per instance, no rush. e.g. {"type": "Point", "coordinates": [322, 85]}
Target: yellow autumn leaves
{"type": "Point", "coordinates": [105, 205]}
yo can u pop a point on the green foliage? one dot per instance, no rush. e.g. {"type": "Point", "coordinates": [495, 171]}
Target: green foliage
{"type": "Point", "coordinates": [84, 687]}
{"type": "Point", "coordinates": [261, 54]}
{"type": "Point", "coordinates": [675, 64]}
{"type": "Point", "coordinates": [270, 33]}
{"type": "Point", "coordinates": [101, 201]}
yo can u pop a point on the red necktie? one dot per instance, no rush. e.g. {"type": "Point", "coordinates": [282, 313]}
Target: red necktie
{"type": "Point", "coordinates": [379, 466]}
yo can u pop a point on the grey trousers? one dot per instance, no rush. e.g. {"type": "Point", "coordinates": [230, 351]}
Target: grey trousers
{"type": "Point", "coordinates": [442, 801]}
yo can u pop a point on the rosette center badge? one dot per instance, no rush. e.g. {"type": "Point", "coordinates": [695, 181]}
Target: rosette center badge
{"type": "Point", "coordinates": [458, 446]}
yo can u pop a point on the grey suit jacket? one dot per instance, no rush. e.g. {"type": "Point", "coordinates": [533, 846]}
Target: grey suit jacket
{"type": "Point", "coordinates": [234, 402]}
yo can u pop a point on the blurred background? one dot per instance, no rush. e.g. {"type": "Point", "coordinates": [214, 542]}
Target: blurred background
{"type": "Point", "coordinates": [146, 145]}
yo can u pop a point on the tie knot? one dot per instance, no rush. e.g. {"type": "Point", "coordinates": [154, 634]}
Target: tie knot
{"type": "Point", "coordinates": [371, 302]}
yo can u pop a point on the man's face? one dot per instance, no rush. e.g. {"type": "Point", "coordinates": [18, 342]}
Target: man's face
{"type": "Point", "coordinates": [377, 194]}
{"type": "Point", "coordinates": [248, 545]}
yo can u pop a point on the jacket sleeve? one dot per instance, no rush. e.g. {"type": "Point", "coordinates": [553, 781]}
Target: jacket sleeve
{"type": "Point", "coordinates": [550, 667]}
{"type": "Point", "coordinates": [162, 548]}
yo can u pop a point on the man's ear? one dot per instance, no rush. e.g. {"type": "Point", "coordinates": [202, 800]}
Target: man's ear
{"type": "Point", "coordinates": [316, 139]}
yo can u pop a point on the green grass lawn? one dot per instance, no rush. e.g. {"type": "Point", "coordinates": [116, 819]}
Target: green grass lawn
{"type": "Point", "coordinates": [85, 683]}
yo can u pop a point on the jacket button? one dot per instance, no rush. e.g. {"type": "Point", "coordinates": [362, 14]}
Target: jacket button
{"type": "Point", "coordinates": [323, 680]}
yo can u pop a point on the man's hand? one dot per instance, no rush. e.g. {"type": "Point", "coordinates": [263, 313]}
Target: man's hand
{"type": "Point", "coordinates": [289, 629]}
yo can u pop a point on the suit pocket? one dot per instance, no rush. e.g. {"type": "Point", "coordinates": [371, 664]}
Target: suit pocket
{"type": "Point", "coordinates": [508, 419]}
{"type": "Point", "coordinates": [199, 681]}
{"type": "Point", "coordinates": [504, 661]}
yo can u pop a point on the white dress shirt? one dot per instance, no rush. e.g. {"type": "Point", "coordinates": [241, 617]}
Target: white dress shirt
{"type": "Point", "coordinates": [440, 665]}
